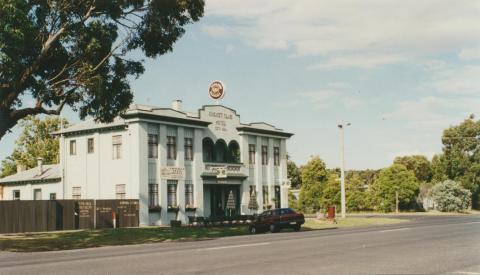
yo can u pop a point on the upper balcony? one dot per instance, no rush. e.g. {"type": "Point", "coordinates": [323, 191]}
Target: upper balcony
{"type": "Point", "coordinates": [225, 170]}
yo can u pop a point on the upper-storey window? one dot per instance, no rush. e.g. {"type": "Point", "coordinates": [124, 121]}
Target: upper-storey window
{"type": "Point", "coordinates": [251, 153]}
{"type": "Point", "coordinates": [276, 156]}
{"type": "Point", "coordinates": [117, 147]}
{"type": "Point", "coordinates": [171, 147]}
{"type": "Point", "coordinates": [152, 146]}
{"type": "Point", "coordinates": [207, 147]}
{"type": "Point", "coordinates": [264, 155]}
{"type": "Point", "coordinates": [188, 148]}
{"type": "Point", "coordinates": [90, 146]}
{"type": "Point", "coordinates": [73, 147]}
{"type": "Point", "coordinates": [233, 153]}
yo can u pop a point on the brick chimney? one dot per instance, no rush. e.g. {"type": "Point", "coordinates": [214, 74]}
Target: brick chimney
{"type": "Point", "coordinates": [21, 167]}
{"type": "Point", "coordinates": [177, 105]}
{"type": "Point", "coordinates": [40, 165]}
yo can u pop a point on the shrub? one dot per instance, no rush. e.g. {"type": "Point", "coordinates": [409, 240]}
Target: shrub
{"type": "Point", "coordinates": [449, 196]}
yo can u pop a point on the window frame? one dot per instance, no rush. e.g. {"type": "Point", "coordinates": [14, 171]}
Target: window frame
{"type": "Point", "coordinates": [90, 146]}
{"type": "Point", "coordinates": [276, 156]}
{"type": "Point", "coordinates": [153, 146]}
{"type": "Point", "coordinates": [153, 200]}
{"type": "Point", "coordinates": [73, 147]}
{"type": "Point", "coordinates": [117, 146]}
{"type": "Point", "coordinates": [252, 151]}
{"type": "Point", "coordinates": [120, 191]}
{"type": "Point", "coordinates": [264, 155]}
{"type": "Point", "coordinates": [172, 147]}
{"type": "Point", "coordinates": [15, 198]}
{"type": "Point", "coordinates": [188, 148]}
{"type": "Point", "coordinates": [172, 186]}
{"type": "Point", "coordinates": [76, 195]}
{"type": "Point", "coordinates": [189, 195]}
{"type": "Point", "coordinates": [54, 196]}
{"type": "Point", "coordinates": [35, 194]}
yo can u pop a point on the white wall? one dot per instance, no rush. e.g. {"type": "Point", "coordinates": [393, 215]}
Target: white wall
{"type": "Point", "coordinates": [26, 190]}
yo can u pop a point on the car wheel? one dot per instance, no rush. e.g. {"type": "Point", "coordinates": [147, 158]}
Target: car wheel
{"type": "Point", "coordinates": [297, 227]}
{"type": "Point", "coordinates": [253, 230]}
{"type": "Point", "coordinates": [273, 228]}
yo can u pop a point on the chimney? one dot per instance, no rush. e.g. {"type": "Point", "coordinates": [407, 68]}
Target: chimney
{"type": "Point", "coordinates": [177, 105]}
{"type": "Point", "coordinates": [21, 167]}
{"type": "Point", "coordinates": [40, 166]}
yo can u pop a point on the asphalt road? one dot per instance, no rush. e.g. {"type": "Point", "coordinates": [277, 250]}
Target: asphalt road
{"type": "Point", "coordinates": [427, 245]}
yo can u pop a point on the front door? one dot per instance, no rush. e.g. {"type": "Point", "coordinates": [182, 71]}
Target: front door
{"type": "Point", "coordinates": [219, 199]}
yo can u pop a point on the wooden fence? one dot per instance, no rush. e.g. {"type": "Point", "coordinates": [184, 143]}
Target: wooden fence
{"type": "Point", "coordinates": [49, 215]}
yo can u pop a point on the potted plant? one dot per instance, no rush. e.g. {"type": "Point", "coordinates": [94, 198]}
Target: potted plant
{"type": "Point", "coordinates": [173, 208]}
{"type": "Point", "coordinates": [190, 207]}
{"type": "Point", "coordinates": [154, 208]}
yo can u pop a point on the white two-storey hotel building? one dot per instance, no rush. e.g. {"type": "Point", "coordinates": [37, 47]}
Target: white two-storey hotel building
{"type": "Point", "coordinates": [177, 164]}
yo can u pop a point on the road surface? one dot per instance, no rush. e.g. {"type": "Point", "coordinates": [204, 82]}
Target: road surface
{"type": "Point", "coordinates": [426, 245]}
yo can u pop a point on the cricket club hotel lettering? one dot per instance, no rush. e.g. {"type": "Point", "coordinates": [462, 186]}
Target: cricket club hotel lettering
{"type": "Point", "coordinates": [176, 163]}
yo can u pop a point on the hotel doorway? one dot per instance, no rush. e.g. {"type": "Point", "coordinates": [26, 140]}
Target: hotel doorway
{"type": "Point", "coordinates": [219, 197]}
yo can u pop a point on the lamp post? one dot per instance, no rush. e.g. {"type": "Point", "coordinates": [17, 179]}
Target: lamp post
{"type": "Point", "coordinates": [342, 167]}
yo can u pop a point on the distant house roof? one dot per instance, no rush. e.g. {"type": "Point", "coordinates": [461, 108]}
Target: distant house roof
{"type": "Point", "coordinates": [51, 173]}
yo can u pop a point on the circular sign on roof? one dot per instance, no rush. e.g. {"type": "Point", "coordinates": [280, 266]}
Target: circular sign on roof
{"type": "Point", "coordinates": [216, 90]}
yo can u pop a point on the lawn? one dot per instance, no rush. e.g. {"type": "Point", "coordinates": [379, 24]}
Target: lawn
{"type": "Point", "coordinates": [51, 241]}
{"type": "Point", "coordinates": [312, 224]}
{"type": "Point", "coordinates": [123, 236]}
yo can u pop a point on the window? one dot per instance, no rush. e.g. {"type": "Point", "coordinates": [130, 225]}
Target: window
{"type": "Point", "coordinates": [276, 156]}
{"type": "Point", "coordinates": [76, 193]}
{"type": "Point", "coordinates": [120, 191]}
{"type": "Point", "coordinates": [37, 194]}
{"type": "Point", "coordinates": [189, 195]}
{"type": "Point", "coordinates": [73, 147]}
{"type": "Point", "coordinates": [90, 148]}
{"type": "Point", "coordinates": [117, 147]}
{"type": "Point", "coordinates": [152, 195]}
{"type": "Point", "coordinates": [171, 147]}
{"type": "Point", "coordinates": [277, 197]}
{"type": "Point", "coordinates": [264, 155]}
{"type": "Point", "coordinates": [152, 146]}
{"type": "Point", "coordinates": [251, 153]}
{"type": "Point", "coordinates": [188, 148]}
{"type": "Point", "coordinates": [16, 195]}
{"type": "Point", "coordinates": [265, 195]}
{"type": "Point", "coordinates": [53, 196]}
{"type": "Point", "coordinates": [172, 193]}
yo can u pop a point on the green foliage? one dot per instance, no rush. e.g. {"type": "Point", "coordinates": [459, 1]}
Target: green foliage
{"type": "Point", "coordinates": [395, 178]}
{"type": "Point", "coordinates": [449, 196]}
{"type": "Point", "coordinates": [78, 53]}
{"type": "Point", "coordinates": [292, 200]}
{"type": "Point", "coordinates": [314, 175]}
{"type": "Point", "coordinates": [294, 174]}
{"type": "Point", "coordinates": [460, 160]}
{"type": "Point", "coordinates": [356, 195]}
{"type": "Point", "coordinates": [418, 164]}
{"type": "Point", "coordinates": [35, 141]}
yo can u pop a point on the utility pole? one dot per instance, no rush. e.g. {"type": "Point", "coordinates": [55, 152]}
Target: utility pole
{"type": "Point", "coordinates": [342, 167]}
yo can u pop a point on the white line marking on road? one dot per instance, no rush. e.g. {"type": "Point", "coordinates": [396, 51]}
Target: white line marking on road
{"type": "Point", "coordinates": [471, 222]}
{"type": "Point", "coordinates": [466, 272]}
{"type": "Point", "coordinates": [232, 246]}
{"type": "Point", "coordinates": [398, 229]}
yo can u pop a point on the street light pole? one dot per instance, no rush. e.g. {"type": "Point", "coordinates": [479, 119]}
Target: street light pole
{"type": "Point", "coordinates": [342, 168]}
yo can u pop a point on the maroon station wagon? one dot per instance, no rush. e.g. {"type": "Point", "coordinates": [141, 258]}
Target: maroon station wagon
{"type": "Point", "coordinates": [277, 219]}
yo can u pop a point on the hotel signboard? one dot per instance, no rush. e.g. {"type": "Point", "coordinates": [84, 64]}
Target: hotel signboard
{"type": "Point", "coordinates": [172, 173]}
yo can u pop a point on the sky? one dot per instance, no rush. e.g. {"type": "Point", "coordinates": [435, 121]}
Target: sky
{"type": "Point", "coordinates": [399, 71]}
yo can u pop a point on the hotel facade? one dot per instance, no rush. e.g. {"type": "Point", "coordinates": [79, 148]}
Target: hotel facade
{"type": "Point", "coordinates": [176, 163]}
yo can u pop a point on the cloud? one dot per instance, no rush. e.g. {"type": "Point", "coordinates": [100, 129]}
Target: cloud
{"type": "Point", "coordinates": [433, 113]}
{"type": "Point", "coordinates": [328, 98]}
{"type": "Point", "coordinates": [456, 80]}
{"type": "Point", "coordinates": [360, 34]}
{"type": "Point", "coordinates": [470, 54]}
{"type": "Point", "coordinates": [359, 61]}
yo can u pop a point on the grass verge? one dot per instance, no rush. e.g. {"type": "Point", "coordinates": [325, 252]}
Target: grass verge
{"type": "Point", "coordinates": [312, 224]}
{"type": "Point", "coordinates": [106, 237]}
{"type": "Point", "coordinates": [51, 241]}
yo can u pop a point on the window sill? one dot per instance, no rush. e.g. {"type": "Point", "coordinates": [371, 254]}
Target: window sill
{"type": "Point", "coordinates": [173, 209]}
{"type": "Point", "coordinates": [155, 209]}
